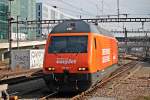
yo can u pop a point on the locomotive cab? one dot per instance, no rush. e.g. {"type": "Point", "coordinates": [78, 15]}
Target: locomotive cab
{"type": "Point", "coordinates": [73, 57]}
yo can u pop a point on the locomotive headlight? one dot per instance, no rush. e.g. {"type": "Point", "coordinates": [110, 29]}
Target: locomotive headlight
{"type": "Point", "coordinates": [82, 69]}
{"type": "Point", "coordinates": [51, 68]}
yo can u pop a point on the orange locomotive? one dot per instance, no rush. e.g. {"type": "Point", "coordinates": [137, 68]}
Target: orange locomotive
{"type": "Point", "coordinates": [78, 54]}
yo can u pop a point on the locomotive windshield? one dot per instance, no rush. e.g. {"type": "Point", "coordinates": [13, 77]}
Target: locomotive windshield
{"type": "Point", "coordinates": [68, 44]}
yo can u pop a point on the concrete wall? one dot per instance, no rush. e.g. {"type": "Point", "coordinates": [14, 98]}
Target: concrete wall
{"type": "Point", "coordinates": [27, 59]}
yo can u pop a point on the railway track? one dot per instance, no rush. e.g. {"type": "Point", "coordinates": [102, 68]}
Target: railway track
{"type": "Point", "coordinates": [5, 75]}
{"type": "Point", "coordinates": [58, 96]}
{"type": "Point", "coordinates": [18, 77]}
{"type": "Point", "coordinates": [49, 95]}
{"type": "Point", "coordinates": [83, 95]}
{"type": "Point", "coordinates": [3, 65]}
{"type": "Point", "coordinates": [124, 68]}
{"type": "Point", "coordinates": [118, 72]}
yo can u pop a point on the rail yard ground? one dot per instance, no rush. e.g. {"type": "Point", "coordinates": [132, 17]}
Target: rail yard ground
{"type": "Point", "coordinates": [133, 84]}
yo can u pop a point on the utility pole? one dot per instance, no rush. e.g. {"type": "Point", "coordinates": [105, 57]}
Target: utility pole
{"type": "Point", "coordinates": [81, 13]}
{"type": "Point", "coordinates": [9, 32]}
{"type": "Point", "coordinates": [17, 33]}
{"type": "Point", "coordinates": [26, 25]}
{"type": "Point", "coordinates": [146, 45]}
{"type": "Point", "coordinates": [118, 8]}
{"type": "Point", "coordinates": [142, 25]}
{"type": "Point", "coordinates": [126, 39]}
{"type": "Point", "coordinates": [102, 7]}
{"type": "Point", "coordinates": [97, 9]}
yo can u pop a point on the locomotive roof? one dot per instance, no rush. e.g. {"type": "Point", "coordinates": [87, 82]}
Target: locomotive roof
{"type": "Point", "coordinates": [79, 26]}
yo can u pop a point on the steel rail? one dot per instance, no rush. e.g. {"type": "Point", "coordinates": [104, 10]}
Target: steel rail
{"type": "Point", "coordinates": [25, 76]}
{"type": "Point", "coordinates": [7, 75]}
{"type": "Point", "coordinates": [49, 95]}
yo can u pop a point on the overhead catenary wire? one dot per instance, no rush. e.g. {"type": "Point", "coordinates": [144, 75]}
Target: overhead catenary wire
{"type": "Point", "coordinates": [107, 6]}
{"type": "Point", "coordinates": [73, 6]}
{"type": "Point", "coordinates": [74, 11]}
{"type": "Point", "coordinates": [104, 7]}
{"type": "Point", "coordinates": [91, 2]}
{"type": "Point", "coordinates": [96, 5]}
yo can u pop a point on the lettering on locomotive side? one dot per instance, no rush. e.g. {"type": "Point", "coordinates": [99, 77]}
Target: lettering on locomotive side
{"type": "Point", "coordinates": [106, 51]}
{"type": "Point", "coordinates": [105, 55]}
{"type": "Point", "coordinates": [65, 61]}
{"type": "Point", "coordinates": [106, 59]}
{"type": "Point", "coordinates": [114, 57]}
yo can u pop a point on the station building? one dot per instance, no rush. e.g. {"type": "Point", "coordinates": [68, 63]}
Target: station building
{"type": "Point", "coordinates": [25, 10]}
{"type": "Point", "coordinates": [3, 19]}
{"type": "Point", "coordinates": [46, 11]}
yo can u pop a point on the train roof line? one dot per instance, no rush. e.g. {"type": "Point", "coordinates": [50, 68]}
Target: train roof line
{"type": "Point", "coordinates": [79, 26]}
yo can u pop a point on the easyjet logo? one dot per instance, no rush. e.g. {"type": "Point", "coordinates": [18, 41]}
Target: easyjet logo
{"type": "Point", "coordinates": [65, 61]}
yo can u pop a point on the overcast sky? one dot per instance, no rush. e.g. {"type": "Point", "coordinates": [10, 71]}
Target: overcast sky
{"type": "Point", "coordinates": [91, 8]}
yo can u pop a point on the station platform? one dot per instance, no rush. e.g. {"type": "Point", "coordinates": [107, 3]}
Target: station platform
{"type": "Point", "coordinates": [4, 47]}
{"type": "Point", "coordinates": [22, 44]}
